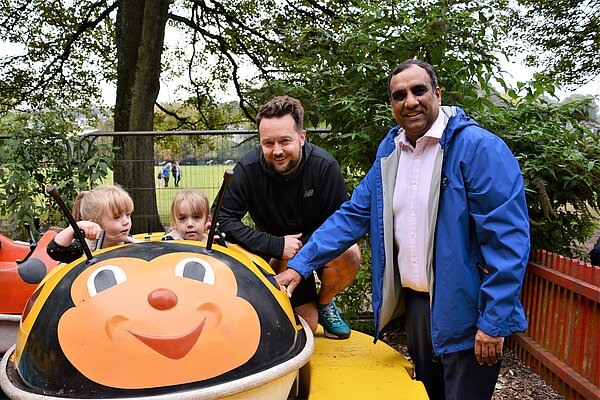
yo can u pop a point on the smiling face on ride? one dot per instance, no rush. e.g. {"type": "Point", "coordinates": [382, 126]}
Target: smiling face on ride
{"type": "Point", "coordinates": [154, 318]}
{"type": "Point", "coordinates": [171, 314]}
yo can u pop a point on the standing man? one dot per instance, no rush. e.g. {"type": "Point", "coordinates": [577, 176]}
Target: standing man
{"type": "Point", "coordinates": [445, 203]}
{"type": "Point", "coordinates": [289, 187]}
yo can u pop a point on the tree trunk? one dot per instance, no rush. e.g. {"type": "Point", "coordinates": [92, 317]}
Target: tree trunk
{"type": "Point", "coordinates": [140, 32]}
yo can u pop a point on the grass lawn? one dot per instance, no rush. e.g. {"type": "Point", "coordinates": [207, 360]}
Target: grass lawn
{"type": "Point", "coordinates": [207, 178]}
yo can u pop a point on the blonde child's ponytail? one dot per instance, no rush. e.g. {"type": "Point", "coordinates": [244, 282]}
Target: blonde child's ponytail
{"type": "Point", "coordinates": [77, 205]}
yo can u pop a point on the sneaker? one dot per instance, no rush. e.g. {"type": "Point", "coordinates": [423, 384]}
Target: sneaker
{"type": "Point", "coordinates": [334, 326]}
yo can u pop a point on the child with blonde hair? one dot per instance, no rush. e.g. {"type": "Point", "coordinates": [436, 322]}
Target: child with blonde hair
{"type": "Point", "coordinates": [106, 207]}
{"type": "Point", "coordinates": [190, 216]}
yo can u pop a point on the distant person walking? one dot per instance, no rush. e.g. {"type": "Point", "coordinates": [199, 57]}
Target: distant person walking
{"type": "Point", "coordinates": [176, 171]}
{"type": "Point", "coordinates": [166, 172]}
{"type": "Point", "coordinates": [159, 178]}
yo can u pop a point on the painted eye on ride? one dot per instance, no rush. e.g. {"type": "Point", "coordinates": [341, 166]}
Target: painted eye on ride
{"type": "Point", "coordinates": [104, 278]}
{"type": "Point", "coordinates": [197, 269]}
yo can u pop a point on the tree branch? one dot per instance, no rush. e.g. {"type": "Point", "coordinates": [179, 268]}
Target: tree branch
{"type": "Point", "coordinates": [52, 70]}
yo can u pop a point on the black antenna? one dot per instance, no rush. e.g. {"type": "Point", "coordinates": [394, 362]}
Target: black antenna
{"type": "Point", "coordinates": [53, 191]}
{"type": "Point", "coordinates": [227, 175]}
{"type": "Point", "coordinates": [36, 224]}
{"type": "Point", "coordinates": [32, 243]}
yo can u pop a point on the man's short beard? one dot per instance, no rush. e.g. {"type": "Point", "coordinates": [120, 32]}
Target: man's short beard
{"type": "Point", "coordinates": [290, 166]}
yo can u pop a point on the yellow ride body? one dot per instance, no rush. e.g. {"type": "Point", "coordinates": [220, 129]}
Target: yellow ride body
{"type": "Point", "coordinates": [356, 368]}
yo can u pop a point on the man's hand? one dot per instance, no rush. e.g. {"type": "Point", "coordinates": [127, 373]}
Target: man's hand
{"type": "Point", "coordinates": [488, 349]}
{"type": "Point", "coordinates": [291, 246]}
{"type": "Point", "coordinates": [289, 279]}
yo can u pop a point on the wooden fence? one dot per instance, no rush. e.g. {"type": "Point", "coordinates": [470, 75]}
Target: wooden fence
{"type": "Point", "coordinates": [561, 299]}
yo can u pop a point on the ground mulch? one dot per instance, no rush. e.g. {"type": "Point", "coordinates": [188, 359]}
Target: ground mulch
{"type": "Point", "coordinates": [516, 380]}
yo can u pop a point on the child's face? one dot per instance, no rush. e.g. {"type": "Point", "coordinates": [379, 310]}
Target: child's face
{"type": "Point", "coordinates": [190, 225]}
{"type": "Point", "coordinates": [116, 228]}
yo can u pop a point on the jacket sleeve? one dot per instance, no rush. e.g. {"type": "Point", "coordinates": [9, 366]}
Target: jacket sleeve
{"type": "Point", "coordinates": [65, 254]}
{"type": "Point", "coordinates": [333, 196]}
{"type": "Point", "coordinates": [234, 208]}
{"type": "Point", "coordinates": [340, 231]}
{"type": "Point", "coordinates": [496, 199]}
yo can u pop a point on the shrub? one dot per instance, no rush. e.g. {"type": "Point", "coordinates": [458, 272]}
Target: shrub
{"type": "Point", "coordinates": [39, 152]}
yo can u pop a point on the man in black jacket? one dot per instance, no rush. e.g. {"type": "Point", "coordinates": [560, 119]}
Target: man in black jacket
{"type": "Point", "coordinates": [290, 187]}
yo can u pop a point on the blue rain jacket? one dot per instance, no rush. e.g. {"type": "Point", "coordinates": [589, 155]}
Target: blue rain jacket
{"type": "Point", "coordinates": [481, 244]}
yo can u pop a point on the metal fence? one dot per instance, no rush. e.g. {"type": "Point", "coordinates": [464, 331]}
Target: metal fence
{"type": "Point", "coordinates": [561, 297]}
{"type": "Point", "coordinates": [203, 157]}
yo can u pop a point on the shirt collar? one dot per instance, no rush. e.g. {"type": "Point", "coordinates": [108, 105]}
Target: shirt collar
{"type": "Point", "coordinates": [435, 131]}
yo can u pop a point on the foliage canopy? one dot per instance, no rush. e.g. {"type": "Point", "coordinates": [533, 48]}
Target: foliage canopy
{"type": "Point", "coordinates": [335, 56]}
{"type": "Point", "coordinates": [560, 37]}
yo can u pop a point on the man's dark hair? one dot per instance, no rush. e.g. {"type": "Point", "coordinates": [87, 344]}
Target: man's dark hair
{"type": "Point", "coordinates": [281, 106]}
{"type": "Point", "coordinates": [413, 61]}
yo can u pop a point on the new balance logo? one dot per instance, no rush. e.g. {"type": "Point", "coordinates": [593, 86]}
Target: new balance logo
{"type": "Point", "coordinates": [308, 193]}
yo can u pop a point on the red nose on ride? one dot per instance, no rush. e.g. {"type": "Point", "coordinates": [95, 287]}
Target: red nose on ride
{"type": "Point", "coordinates": [162, 299]}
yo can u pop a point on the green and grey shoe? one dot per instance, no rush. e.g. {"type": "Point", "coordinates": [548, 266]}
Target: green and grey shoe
{"type": "Point", "coordinates": [334, 326]}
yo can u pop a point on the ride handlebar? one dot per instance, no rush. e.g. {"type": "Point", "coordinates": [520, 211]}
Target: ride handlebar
{"type": "Point", "coordinates": [53, 192]}
{"type": "Point", "coordinates": [227, 176]}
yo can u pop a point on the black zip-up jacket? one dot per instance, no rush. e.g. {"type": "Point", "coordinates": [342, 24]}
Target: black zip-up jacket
{"type": "Point", "coordinates": [280, 205]}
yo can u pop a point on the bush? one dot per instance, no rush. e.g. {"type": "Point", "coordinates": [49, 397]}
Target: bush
{"type": "Point", "coordinates": [355, 301]}
{"type": "Point", "coordinates": [559, 156]}
{"type": "Point", "coordinates": [38, 153]}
